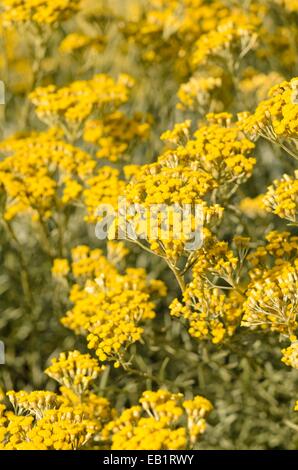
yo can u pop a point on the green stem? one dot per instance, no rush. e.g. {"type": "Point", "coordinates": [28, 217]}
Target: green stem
{"type": "Point", "coordinates": [177, 275]}
{"type": "Point", "coordinates": [25, 277]}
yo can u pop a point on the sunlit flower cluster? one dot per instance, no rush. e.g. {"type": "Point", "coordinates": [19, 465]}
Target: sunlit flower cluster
{"type": "Point", "coordinates": [66, 421]}
{"type": "Point", "coordinates": [272, 300]}
{"type": "Point", "coordinates": [197, 94]}
{"type": "Point", "coordinates": [74, 370]}
{"type": "Point", "coordinates": [41, 12]}
{"type": "Point", "coordinates": [58, 429]}
{"type": "Point", "coordinates": [143, 161]}
{"type": "Point", "coordinates": [169, 183]}
{"type": "Point", "coordinates": [77, 41]}
{"type": "Point", "coordinates": [282, 198]}
{"type": "Point", "coordinates": [253, 206]}
{"type": "Point", "coordinates": [194, 171]}
{"type": "Point", "coordinates": [49, 421]}
{"type": "Point", "coordinates": [69, 107]}
{"type": "Point", "coordinates": [168, 29]}
{"type": "Point", "coordinates": [275, 118]}
{"type": "Point", "coordinates": [212, 311]}
{"type": "Point", "coordinates": [229, 43]}
{"type": "Point", "coordinates": [290, 355]}
{"type": "Point", "coordinates": [162, 421]}
{"type": "Point", "coordinates": [104, 187]}
{"type": "Point", "coordinates": [115, 133]}
{"type": "Point", "coordinates": [29, 173]}
{"type": "Point", "coordinates": [108, 307]}
{"type": "Point", "coordinates": [256, 86]}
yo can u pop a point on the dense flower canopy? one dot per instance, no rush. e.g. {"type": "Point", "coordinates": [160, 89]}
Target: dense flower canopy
{"type": "Point", "coordinates": [148, 223]}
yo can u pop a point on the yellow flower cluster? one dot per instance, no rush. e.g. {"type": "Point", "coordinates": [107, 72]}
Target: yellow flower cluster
{"type": "Point", "coordinates": [104, 187]}
{"type": "Point", "coordinates": [41, 12]}
{"type": "Point", "coordinates": [197, 64]}
{"type": "Point", "coordinates": [272, 299]}
{"type": "Point", "coordinates": [213, 312]}
{"type": "Point", "coordinates": [92, 405]}
{"type": "Point", "coordinates": [222, 151]}
{"type": "Point", "coordinates": [229, 43]}
{"type": "Point", "coordinates": [219, 149]}
{"type": "Point", "coordinates": [57, 429]}
{"type": "Point", "coordinates": [215, 258]}
{"type": "Point", "coordinates": [282, 197]}
{"type": "Point", "coordinates": [116, 252]}
{"type": "Point", "coordinates": [197, 410]}
{"type": "Point", "coordinates": [69, 107]}
{"type": "Point", "coordinates": [67, 421]}
{"type": "Point", "coordinates": [60, 268]}
{"type": "Point", "coordinates": [256, 86]}
{"type": "Point", "coordinates": [35, 403]}
{"type": "Point", "coordinates": [280, 246]}
{"type": "Point", "coordinates": [29, 173]}
{"type": "Point", "coordinates": [108, 307]}
{"type": "Point", "coordinates": [49, 421]}
{"type": "Point", "coordinates": [253, 206]}
{"type": "Point", "coordinates": [197, 93]}
{"type": "Point", "coordinates": [275, 118]}
{"type": "Point", "coordinates": [170, 424]}
{"type": "Point", "coordinates": [115, 133]}
{"type": "Point", "coordinates": [167, 29]}
{"type": "Point", "coordinates": [290, 355]}
{"type": "Point", "coordinates": [13, 429]}
{"type": "Point", "coordinates": [77, 41]}
{"type": "Point", "coordinates": [169, 185]}
{"type": "Point", "coordinates": [215, 161]}
{"type": "Point", "coordinates": [74, 370]}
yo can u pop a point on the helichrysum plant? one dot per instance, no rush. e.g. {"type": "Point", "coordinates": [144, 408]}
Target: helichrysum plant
{"type": "Point", "coordinates": [148, 223]}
